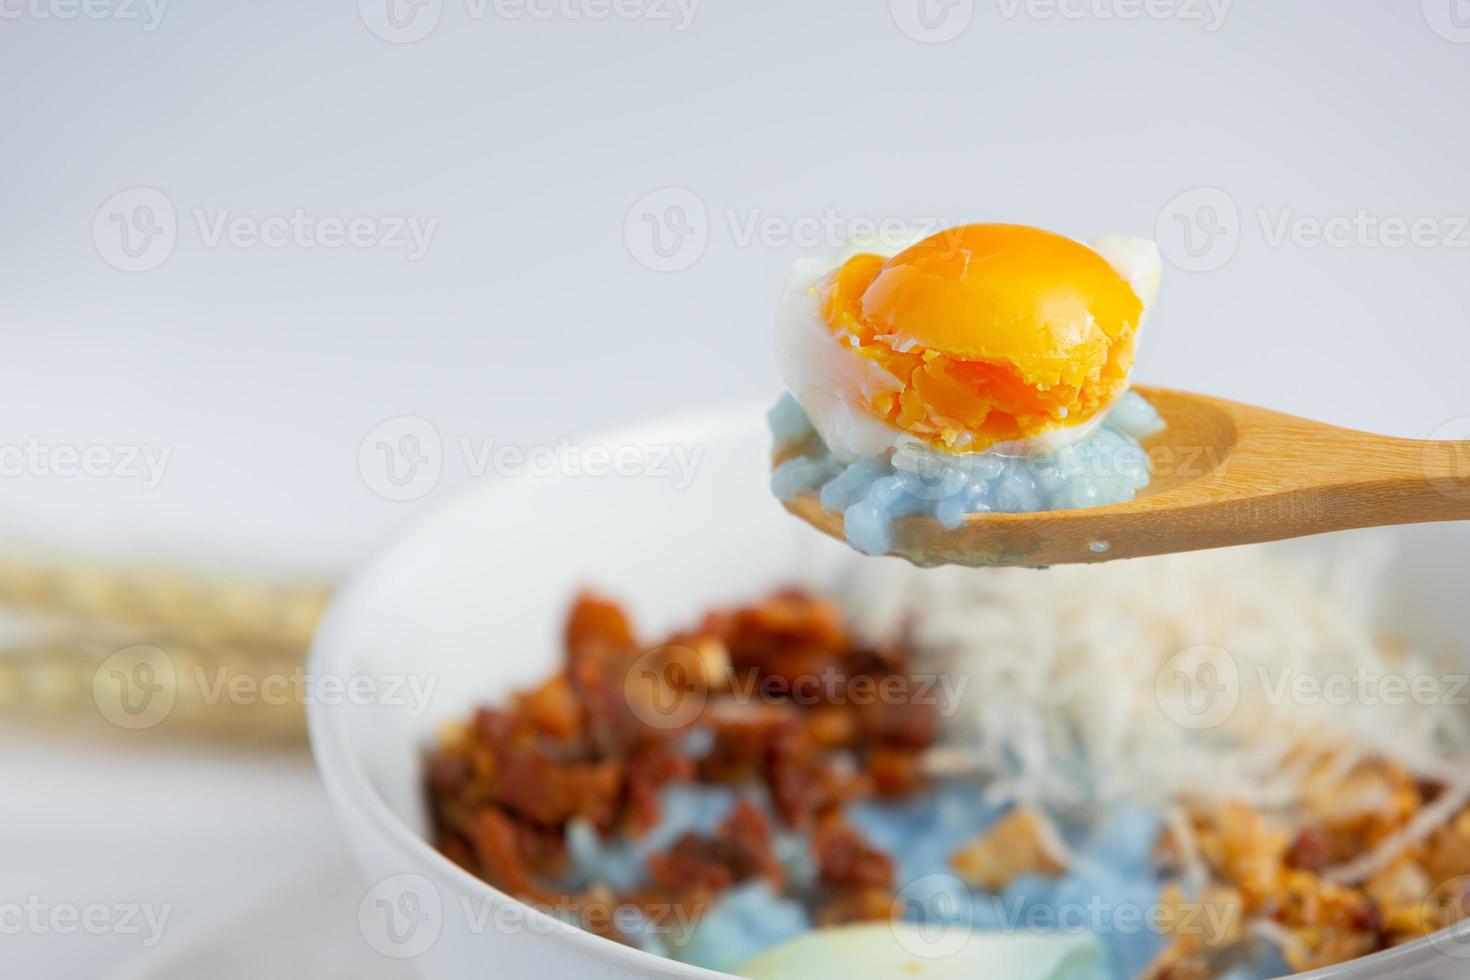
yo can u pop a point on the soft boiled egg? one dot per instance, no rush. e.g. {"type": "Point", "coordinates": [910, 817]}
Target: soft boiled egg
{"type": "Point", "coordinates": [983, 337]}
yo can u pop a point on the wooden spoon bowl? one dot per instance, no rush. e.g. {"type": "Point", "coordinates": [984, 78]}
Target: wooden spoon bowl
{"type": "Point", "coordinates": [1223, 474]}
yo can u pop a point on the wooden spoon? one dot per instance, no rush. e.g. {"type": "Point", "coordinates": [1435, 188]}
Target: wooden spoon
{"type": "Point", "coordinates": [1223, 474]}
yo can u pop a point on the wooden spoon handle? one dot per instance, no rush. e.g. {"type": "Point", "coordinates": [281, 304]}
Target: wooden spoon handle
{"type": "Point", "coordinates": [1319, 478]}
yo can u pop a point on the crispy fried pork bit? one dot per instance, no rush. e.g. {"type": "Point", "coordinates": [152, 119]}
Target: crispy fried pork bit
{"type": "Point", "coordinates": [598, 675]}
{"type": "Point", "coordinates": [769, 743]}
{"type": "Point", "coordinates": [801, 689]}
{"type": "Point", "coordinates": [1398, 892]}
{"type": "Point", "coordinates": [1447, 852]}
{"type": "Point", "coordinates": [596, 911]}
{"type": "Point", "coordinates": [648, 770]}
{"type": "Point", "coordinates": [554, 710]}
{"type": "Point", "coordinates": [538, 787]}
{"type": "Point", "coordinates": [1363, 806]}
{"type": "Point", "coordinates": [791, 636]}
{"type": "Point", "coordinates": [1019, 843]}
{"type": "Point", "coordinates": [1326, 923]}
{"type": "Point", "coordinates": [745, 734]}
{"type": "Point", "coordinates": [694, 865]}
{"type": "Point", "coordinates": [450, 773]}
{"type": "Point", "coordinates": [457, 849]}
{"type": "Point", "coordinates": [846, 860]}
{"type": "Point", "coordinates": [497, 842]}
{"type": "Point", "coordinates": [903, 715]}
{"type": "Point", "coordinates": [700, 867]}
{"type": "Point", "coordinates": [747, 833]}
{"type": "Point", "coordinates": [857, 905]}
{"type": "Point", "coordinates": [1245, 849]}
{"type": "Point", "coordinates": [596, 620]}
{"type": "Point", "coordinates": [857, 878]}
{"type": "Point", "coordinates": [627, 697]}
{"type": "Point", "coordinates": [1208, 930]}
{"type": "Point", "coordinates": [1312, 850]}
{"type": "Point", "coordinates": [544, 781]}
{"type": "Point", "coordinates": [1181, 960]}
{"type": "Point", "coordinates": [1447, 904]}
{"type": "Point", "coordinates": [805, 782]}
{"type": "Point", "coordinates": [894, 772]}
{"type": "Point", "coordinates": [832, 726]}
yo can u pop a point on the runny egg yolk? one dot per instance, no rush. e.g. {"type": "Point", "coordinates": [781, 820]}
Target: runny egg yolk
{"type": "Point", "coordinates": [996, 333]}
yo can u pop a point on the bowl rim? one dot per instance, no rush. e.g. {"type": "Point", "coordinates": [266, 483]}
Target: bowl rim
{"type": "Point", "coordinates": [349, 789]}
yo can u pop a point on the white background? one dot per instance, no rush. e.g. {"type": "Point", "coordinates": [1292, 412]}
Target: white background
{"type": "Point", "coordinates": [531, 142]}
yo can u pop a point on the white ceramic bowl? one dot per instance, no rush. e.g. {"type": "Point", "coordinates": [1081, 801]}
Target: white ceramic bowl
{"type": "Point", "coordinates": [471, 602]}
